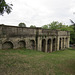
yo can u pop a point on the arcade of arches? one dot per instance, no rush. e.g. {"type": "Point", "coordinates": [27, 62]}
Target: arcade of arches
{"type": "Point", "coordinates": [50, 45]}
{"type": "Point", "coordinates": [33, 38]}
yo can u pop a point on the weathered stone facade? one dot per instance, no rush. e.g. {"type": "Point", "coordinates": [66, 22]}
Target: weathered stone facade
{"type": "Point", "coordinates": [33, 38]}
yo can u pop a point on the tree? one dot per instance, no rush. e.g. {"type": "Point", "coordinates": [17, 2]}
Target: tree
{"type": "Point", "coordinates": [32, 26]}
{"type": "Point", "coordinates": [73, 24]}
{"type": "Point", "coordinates": [22, 25]}
{"type": "Point", "coordinates": [45, 27]}
{"type": "Point", "coordinates": [72, 33]}
{"type": "Point", "coordinates": [4, 7]}
{"type": "Point", "coordinates": [56, 25]}
{"type": "Point", "coordinates": [53, 25]}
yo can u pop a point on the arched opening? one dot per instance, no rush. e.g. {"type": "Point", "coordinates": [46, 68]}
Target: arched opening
{"type": "Point", "coordinates": [49, 45]}
{"type": "Point", "coordinates": [54, 45]}
{"type": "Point", "coordinates": [60, 44]}
{"type": "Point", "coordinates": [43, 45]}
{"type": "Point", "coordinates": [32, 44]}
{"type": "Point", "coordinates": [22, 44]}
{"type": "Point", "coordinates": [7, 45]}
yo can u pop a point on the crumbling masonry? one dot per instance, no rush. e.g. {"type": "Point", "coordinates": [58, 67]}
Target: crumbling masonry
{"type": "Point", "coordinates": [33, 38]}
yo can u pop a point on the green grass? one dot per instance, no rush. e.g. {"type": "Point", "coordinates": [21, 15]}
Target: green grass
{"type": "Point", "coordinates": [31, 62]}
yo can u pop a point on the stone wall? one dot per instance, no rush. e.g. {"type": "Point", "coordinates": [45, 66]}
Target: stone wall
{"type": "Point", "coordinates": [33, 38]}
{"type": "Point", "coordinates": [12, 31]}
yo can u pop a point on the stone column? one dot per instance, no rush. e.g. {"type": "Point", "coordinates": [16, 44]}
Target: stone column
{"type": "Point", "coordinates": [64, 42]}
{"type": "Point", "coordinates": [15, 44]}
{"type": "Point", "coordinates": [61, 43]}
{"type": "Point", "coordinates": [67, 42]}
{"type": "Point", "coordinates": [27, 42]}
{"type": "Point", "coordinates": [46, 46]}
{"type": "Point", "coordinates": [68, 39]}
{"type": "Point", "coordinates": [39, 44]}
{"type": "Point", "coordinates": [57, 43]}
{"type": "Point", "coordinates": [51, 45]}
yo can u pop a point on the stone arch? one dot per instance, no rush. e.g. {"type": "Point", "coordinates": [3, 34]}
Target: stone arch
{"type": "Point", "coordinates": [43, 45]}
{"type": "Point", "coordinates": [7, 45]}
{"type": "Point", "coordinates": [54, 45]}
{"type": "Point", "coordinates": [22, 44]}
{"type": "Point", "coordinates": [49, 45]}
{"type": "Point", "coordinates": [32, 42]}
{"type": "Point", "coordinates": [60, 41]}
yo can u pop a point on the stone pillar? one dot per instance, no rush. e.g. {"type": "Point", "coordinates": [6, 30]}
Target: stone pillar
{"type": "Point", "coordinates": [57, 43]}
{"type": "Point", "coordinates": [61, 43]}
{"type": "Point", "coordinates": [15, 45]}
{"type": "Point", "coordinates": [27, 43]}
{"type": "Point", "coordinates": [64, 42]}
{"type": "Point", "coordinates": [51, 46]}
{"type": "Point", "coordinates": [46, 46]}
{"type": "Point", "coordinates": [39, 44]}
{"type": "Point", "coordinates": [67, 42]}
{"type": "Point", "coordinates": [68, 39]}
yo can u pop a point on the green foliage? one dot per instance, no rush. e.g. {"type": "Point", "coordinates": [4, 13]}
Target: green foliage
{"type": "Point", "coordinates": [73, 24]}
{"type": "Point", "coordinates": [22, 25]}
{"type": "Point", "coordinates": [4, 7]}
{"type": "Point", "coordinates": [72, 35]}
{"type": "Point", "coordinates": [32, 26]}
{"type": "Point", "coordinates": [45, 27]}
{"type": "Point", "coordinates": [57, 25]}
{"type": "Point", "coordinates": [54, 25]}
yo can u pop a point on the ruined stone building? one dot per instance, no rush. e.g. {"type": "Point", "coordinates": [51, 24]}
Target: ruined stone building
{"type": "Point", "coordinates": [45, 40]}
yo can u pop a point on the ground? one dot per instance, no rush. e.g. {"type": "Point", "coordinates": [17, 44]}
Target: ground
{"type": "Point", "coordinates": [31, 62]}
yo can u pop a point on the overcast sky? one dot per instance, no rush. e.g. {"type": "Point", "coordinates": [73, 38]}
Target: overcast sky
{"type": "Point", "coordinates": [39, 12]}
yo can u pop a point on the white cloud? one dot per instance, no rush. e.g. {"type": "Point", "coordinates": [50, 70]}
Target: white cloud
{"type": "Point", "coordinates": [39, 12]}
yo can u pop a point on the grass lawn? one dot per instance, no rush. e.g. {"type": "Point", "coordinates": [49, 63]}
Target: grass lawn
{"type": "Point", "coordinates": [30, 62]}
